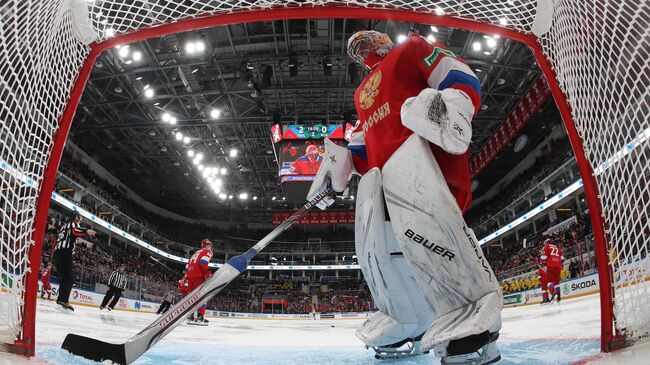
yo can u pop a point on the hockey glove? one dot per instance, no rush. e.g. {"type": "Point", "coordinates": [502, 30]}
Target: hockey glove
{"type": "Point", "coordinates": [335, 170]}
{"type": "Point", "coordinates": [444, 118]}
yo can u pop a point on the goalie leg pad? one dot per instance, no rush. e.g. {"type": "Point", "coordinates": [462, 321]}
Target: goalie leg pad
{"type": "Point", "coordinates": [403, 310]}
{"type": "Point", "coordinates": [447, 262]}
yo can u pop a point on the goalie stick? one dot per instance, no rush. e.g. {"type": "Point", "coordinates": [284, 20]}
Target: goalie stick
{"type": "Point", "coordinates": [132, 349]}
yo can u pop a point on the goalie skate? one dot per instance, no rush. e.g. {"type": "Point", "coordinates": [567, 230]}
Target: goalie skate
{"type": "Point", "coordinates": [487, 354]}
{"type": "Point", "coordinates": [402, 349]}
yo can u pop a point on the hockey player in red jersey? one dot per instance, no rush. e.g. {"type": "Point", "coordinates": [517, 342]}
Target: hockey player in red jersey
{"type": "Point", "coordinates": [553, 259]}
{"type": "Point", "coordinates": [423, 264]}
{"type": "Point", "coordinates": [196, 272]}
{"type": "Point", "coordinates": [307, 164]}
{"type": "Point", "coordinates": [45, 281]}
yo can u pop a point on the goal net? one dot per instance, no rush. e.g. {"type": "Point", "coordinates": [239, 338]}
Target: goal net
{"type": "Point", "coordinates": [594, 54]}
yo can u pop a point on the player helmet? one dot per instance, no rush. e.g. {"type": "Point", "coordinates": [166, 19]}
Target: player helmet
{"type": "Point", "coordinates": [363, 43]}
{"type": "Point", "coordinates": [206, 243]}
{"type": "Point", "coordinates": [311, 149]}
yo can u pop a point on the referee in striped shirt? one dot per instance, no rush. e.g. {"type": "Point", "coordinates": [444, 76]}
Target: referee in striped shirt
{"type": "Point", "coordinates": [116, 284]}
{"type": "Point", "coordinates": [62, 257]}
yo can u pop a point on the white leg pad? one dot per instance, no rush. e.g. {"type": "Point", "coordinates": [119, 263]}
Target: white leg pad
{"type": "Point", "coordinates": [403, 309]}
{"type": "Point", "coordinates": [471, 319]}
{"type": "Point", "coordinates": [447, 262]}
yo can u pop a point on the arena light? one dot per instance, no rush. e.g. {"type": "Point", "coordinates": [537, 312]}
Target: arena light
{"type": "Point", "coordinates": [200, 46]}
{"type": "Point", "coordinates": [233, 152]}
{"type": "Point", "coordinates": [431, 38]}
{"type": "Point", "coordinates": [124, 51]}
{"type": "Point", "coordinates": [503, 21]}
{"type": "Point", "coordinates": [196, 161]}
{"type": "Point", "coordinates": [186, 140]}
{"type": "Point", "coordinates": [476, 46]}
{"type": "Point", "coordinates": [109, 32]}
{"type": "Point", "coordinates": [229, 196]}
{"type": "Point", "coordinates": [201, 167]}
{"type": "Point", "coordinates": [439, 11]}
{"type": "Point", "coordinates": [179, 136]}
{"type": "Point", "coordinates": [190, 47]}
{"type": "Point", "coordinates": [224, 171]}
{"type": "Point", "coordinates": [218, 182]}
{"type": "Point", "coordinates": [149, 93]}
{"type": "Point", "coordinates": [190, 153]}
{"type": "Point", "coordinates": [243, 196]}
{"type": "Point", "coordinates": [215, 113]}
{"type": "Point", "coordinates": [274, 198]}
{"type": "Point", "coordinates": [491, 42]}
{"type": "Point", "coordinates": [434, 29]}
{"type": "Point", "coordinates": [137, 56]}
{"type": "Point", "coordinates": [401, 38]}
{"type": "Point", "coordinates": [165, 117]}
{"type": "Point", "coordinates": [172, 120]}
{"type": "Point", "coordinates": [222, 196]}
{"type": "Point", "coordinates": [255, 197]}
{"type": "Point", "coordinates": [199, 156]}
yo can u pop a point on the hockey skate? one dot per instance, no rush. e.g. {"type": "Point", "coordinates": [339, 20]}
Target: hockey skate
{"type": "Point", "coordinates": [473, 350]}
{"type": "Point", "coordinates": [406, 348]}
{"type": "Point", "coordinates": [196, 321]}
{"type": "Point", "coordinates": [555, 298]}
{"type": "Point", "coordinates": [64, 307]}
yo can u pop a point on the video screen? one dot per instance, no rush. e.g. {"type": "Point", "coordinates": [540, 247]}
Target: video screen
{"type": "Point", "coordinates": [300, 159]}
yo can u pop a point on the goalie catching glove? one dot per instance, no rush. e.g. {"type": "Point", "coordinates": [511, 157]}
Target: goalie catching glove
{"type": "Point", "coordinates": [335, 171]}
{"type": "Point", "coordinates": [444, 118]}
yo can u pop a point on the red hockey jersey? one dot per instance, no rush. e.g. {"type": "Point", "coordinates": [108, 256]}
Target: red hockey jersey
{"type": "Point", "coordinates": [198, 264]}
{"type": "Point", "coordinates": [45, 275]}
{"type": "Point", "coordinates": [408, 69]}
{"type": "Point", "coordinates": [552, 255]}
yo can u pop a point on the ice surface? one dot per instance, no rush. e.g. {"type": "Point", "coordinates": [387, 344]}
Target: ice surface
{"type": "Point", "coordinates": [557, 334]}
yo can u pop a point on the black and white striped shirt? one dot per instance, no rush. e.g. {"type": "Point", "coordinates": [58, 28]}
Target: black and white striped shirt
{"type": "Point", "coordinates": [118, 280]}
{"type": "Point", "coordinates": [68, 235]}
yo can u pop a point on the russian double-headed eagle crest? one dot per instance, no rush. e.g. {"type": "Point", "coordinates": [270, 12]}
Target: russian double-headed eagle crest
{"type": "Point", "coordinates": [370, 91]}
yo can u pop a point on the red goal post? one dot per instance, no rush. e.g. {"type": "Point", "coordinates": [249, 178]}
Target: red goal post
{"type": "Point", "coordinates": [593, 54]}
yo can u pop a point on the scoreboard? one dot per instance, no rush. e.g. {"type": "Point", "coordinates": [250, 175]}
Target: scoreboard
{"type": "Point", "coordinates": [299, 151]}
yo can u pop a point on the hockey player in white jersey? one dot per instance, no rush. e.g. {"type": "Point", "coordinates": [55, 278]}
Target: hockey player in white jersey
{"type": "Point", "coordinates": [432, 285]}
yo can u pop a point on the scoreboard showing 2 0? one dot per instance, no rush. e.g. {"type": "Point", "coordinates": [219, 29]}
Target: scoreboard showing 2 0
{"type": "Point", "coordinates": [299, 152]}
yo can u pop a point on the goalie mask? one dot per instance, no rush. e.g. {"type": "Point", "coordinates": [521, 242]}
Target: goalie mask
{"type": "Point", "coordinates": [366, 42]}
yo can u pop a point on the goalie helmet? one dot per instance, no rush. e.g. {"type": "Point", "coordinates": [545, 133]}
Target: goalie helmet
{"type": "Point", "coordinates": [205, 243]}
{"type": "Point", "coordinates": [365, 42]}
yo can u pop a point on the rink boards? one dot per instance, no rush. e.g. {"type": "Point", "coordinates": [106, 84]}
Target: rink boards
{"type": "Point", "coordinates": [636, 272]}
{"type": "Point", "coordinates": [93, 299]}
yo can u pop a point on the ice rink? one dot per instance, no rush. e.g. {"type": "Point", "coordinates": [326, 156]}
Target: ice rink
{"type": "Point", "coordinates": [557, 334]}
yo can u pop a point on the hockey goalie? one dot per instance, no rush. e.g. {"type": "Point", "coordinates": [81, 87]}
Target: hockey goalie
{"type": "Point", "coordinates": [433, 287]}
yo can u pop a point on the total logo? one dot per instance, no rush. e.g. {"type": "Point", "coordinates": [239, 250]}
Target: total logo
{"type": "Point", "coordinates": [75, 294]}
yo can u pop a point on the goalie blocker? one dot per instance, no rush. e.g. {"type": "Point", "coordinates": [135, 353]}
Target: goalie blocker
{"type": "Point", "coordinates": [444, 283]}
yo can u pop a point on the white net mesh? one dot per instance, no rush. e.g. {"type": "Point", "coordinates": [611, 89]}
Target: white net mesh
{"type": "Point", "coordinates": [39, 61]}
{"type": "Point", "coordinates": [598, 48]}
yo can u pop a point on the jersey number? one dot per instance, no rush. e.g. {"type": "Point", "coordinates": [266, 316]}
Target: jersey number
{"type": "Point", "coordinates": [554, 251]}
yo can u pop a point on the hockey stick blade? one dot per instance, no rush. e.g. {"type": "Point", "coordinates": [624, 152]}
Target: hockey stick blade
{"type": "Point", "coordinates": [94, 349]}
{"type": "Point", "coordinates": [139, 344]}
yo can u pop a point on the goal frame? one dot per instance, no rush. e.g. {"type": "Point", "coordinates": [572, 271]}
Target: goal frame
{"type": "Point", "coordinates": [610, 337]}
